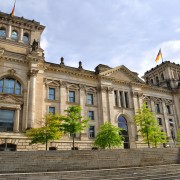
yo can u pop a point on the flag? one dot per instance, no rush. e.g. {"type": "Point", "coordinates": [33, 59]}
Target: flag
{"type": "Point", "coordinates": [13, 10]}
{"type": "Point", "coordinates": [159, 56]}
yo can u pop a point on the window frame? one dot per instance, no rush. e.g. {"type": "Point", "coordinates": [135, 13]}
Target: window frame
{"type": "Point", "coordinates": [90, 98]}
{"type": "Point", "coordinates": [72, 99]}
{"type": "Point", "coordinates": [91, 115]}
{"type": "Point", "coordinates": [1, 30]}
{"type": "Point", "coordinates": [13, 37]}
{"type": "Point", "coordinates": [91, 132]}
{"type": "Point", "coordinates": [4, 87]}
{"type": "Point", "coordinates": [51, 94]}
{"type": "Point", "coordinates": [54, 110]}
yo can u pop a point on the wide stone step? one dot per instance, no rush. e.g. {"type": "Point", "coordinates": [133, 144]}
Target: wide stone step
{"type": "Point", "coordinates": [139, 173]}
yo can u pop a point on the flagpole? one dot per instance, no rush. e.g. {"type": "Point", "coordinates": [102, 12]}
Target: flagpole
{"type": "Point", "coordinates": [161, 56]}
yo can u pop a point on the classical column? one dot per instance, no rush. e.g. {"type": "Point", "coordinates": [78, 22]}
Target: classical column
{"type": "Point", "coordinates": [152, 104]}
{"type": "Point", "coordinates": [111, 105]}
{"type": "Point", "coordinates": [16, 120]}
{"type": "Point", "coordinates": [9, 32]}
{"type": "Point", "coordinates": [104, 104]}
{"type": "Point", "coordinates": [21, 35]}
{"type": "Point", "coordinates": [82, 101]}
{"type": "Point", "coordinates": [166, 120]}
{"type": "Point", "coordinates": [63, 96]}
{"type": "Point", "coordinates": [32, 97]}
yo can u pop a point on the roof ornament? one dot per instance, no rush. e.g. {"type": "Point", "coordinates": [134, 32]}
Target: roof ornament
{"type": "Point", "coordinates": [80, 65]}
{"type": "Point", "coordinates": [34, 46]}
{"type": "Point", "coordinates": [62, 61]}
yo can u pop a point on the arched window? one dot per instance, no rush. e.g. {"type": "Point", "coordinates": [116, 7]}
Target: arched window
{"type": "Point", "coordinates": [122, 123]}
{"type": "Point", "coordinates": [26, 38]}
{"type": "Point", "coordinates": [14, 35]}
{"type": "Point", "coordinates": [10, 86]}
{"type": "Point", "coordinates": [2, 32]}
{"type": "Point", "coordinates": [162, 76]}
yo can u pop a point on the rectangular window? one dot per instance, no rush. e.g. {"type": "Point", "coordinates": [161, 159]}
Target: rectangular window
{"type": "Point", "coordinates": [171, 123]}
{"type": "Point", "coordinates": [91, 132]}
{"type": "Point", "coordinates": [126, 99]}
{"type": "Point", "coordinates": [72, 96]}
{"type": "Point", "coordinates": [6, 120]}
{"type": "Point", "coordinates": [160, 121]}
{"type": "Point", "coordinates": [168, 109]}
{"type": "Point", "coordinates": [91, 115]}
{"type": "Point", "coordinates": [1, 85]}
{"type": "Point", "coordinates": [121, 98]}
{"type": "Point", "coordinates": [90, 99]}
{"type": "Point", "coordinates": [52, 110]}
{"type": "Point", "coordinates": [157, 108]}
{"type": "Point", "coordinates": [115, 98]}
{"type": "Point", "coordinates": [52, 93]}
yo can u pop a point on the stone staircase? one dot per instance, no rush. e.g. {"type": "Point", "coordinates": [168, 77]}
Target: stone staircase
{"type": "Point", "coordinates": [132, 164]}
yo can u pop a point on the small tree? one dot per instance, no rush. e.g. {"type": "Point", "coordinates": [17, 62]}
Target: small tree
{"type": "Point", "coordinates": [108, 136]}
{"type": "Point", "coordinates": [178, 137]}
{"type": "Point", "coordinates": [149, 128]}
{"type": "Point", "coordinates": [73, 122]}
{"type": "Point", "coordinates": [49, 131]}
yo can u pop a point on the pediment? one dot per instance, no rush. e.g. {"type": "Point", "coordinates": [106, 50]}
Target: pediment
{"type": "Point", "coordinates": [9, 99]}
{"type": "Point", "coordinates": [122, 73]}
{"type": "Point", "coordinates": [53, 83]}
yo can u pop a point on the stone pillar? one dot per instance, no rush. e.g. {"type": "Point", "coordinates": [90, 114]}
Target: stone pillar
{"type": "Point", "coordinates": [82, 101]}
{"type": "Point", "coordinates": [16, 121]}
{"type": "Point", "coordinates": [152, 104]}
{"type": "Point", "coordinates": [118, 99]}
{"type": "Point", "coordinates": [166, 120]}
{"type": "Point", "coordinates": [21, 35]}
{"type": "Point", "coordinates": [32, 97]}
{"type": "Point", "coordinates": [63, 96]}
{"type": "Point", "coordinates": [104, 103]}
{"type": "Point", "coordinates": [111, 105]}
{"type": "Point", "coordinates": [9, 32]}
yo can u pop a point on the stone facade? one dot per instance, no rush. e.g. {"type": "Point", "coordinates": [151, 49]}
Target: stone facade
{"type": "Point", "coordinates": [31, 87]}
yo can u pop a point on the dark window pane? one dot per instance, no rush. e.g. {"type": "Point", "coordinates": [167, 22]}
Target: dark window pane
{"type": "Point", "coordinates": [121, 98]}
{"type": "Point", "coordinates": [52, 93]}
{"type": "Point", "coordinates": [52, 110]}
{"type": "Point", "coordinates": [2, 32]}
{"type": "Point", "coordinates": [91, 132]}
{"type": "Point", "coordinates": [6, 120]}
{"type": "Point", "coordinates": [18, 88]}
{"type": "Point", "coordinates": [1, 85]}
{"type": "Point", "coordinates": [91, 115]}
{"type": "Point", "coordinates": [9, 86]}
{"type": "Point", "coordinates": [14, 35]}
{"type": "Point", "coordinates": [90, 98]}
{"type": "Point", "coordinates": [71, 96]}
{"type": "Point", "coordinates": [25, 38]}
{"type": "Point", "coordinates": [115, 98]}
{"type": "Point", "coordinates": [126, 99]}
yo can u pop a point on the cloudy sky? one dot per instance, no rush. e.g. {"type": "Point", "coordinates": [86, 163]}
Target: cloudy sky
{"type": "Point", "coordinates": [111, 32]}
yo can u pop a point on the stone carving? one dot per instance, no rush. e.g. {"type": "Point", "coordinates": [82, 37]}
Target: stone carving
{"type": "Point", "coordinates": [32, 72]}
{"type": "Point", "coordinates": [62, 61]}
{"type": "Point", "coordinates": [104, 88]}
{"type": "Point", "coordinates": [63, 84]}
{"type": "Point", "coordinates": [11, 72]}
{"type": "Point", "coordinates": [80, 65]}
{"type": "Point", "coordinates": [110, 90]}
{"type": "Point", "coordinates": [82, 87]}
{"type": "Point", "coordinates": [34, 46]}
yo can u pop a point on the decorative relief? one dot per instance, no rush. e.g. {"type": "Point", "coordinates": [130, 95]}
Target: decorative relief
{"type": "Point", "coordinates": [11, 72]}
{"type": "Point", "coordinates": [110, 90]}
{"type": "Point", "coordinates": [82, 87]}
{"type": "Point", "coordinates": [9, 99]}
{"type": "Point", "coordinates": [63, 84]}
{"type": "Point", "coordinates": [104, 88]}
{"type": "Point", "coordinates": [32, 72]}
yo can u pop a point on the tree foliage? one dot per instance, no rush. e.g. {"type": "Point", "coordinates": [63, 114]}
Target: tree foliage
{"type": "Point", "coordinates": [73, 122]}
{"type": "Point", "coordinates": [108, 136]}
{"type": "Point", "coordinates": [149, 128]}
{"type": "Point", "coordinates": [49, 131]}
{"type": "Point", "coordinates": [178, 137]}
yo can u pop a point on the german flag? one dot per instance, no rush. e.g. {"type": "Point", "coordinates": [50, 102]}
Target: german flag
{"type": "Point", "coordinates": [159, 56]}
{"type": "Point", "coordinates": [13, 10]}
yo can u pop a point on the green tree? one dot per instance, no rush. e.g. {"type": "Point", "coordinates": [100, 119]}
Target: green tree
{"type": "Point", "coordinates": [108, 136]}
{"type": "Point", "coordinates": [73, 122]}
{"type": "Point", "coordinates": [178, 137]}
{"type": "Point", "coordinates": [49, 131]}
{"type": "Point", "coordinates": [149, 128]}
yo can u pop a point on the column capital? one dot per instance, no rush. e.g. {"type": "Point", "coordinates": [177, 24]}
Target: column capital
{"type": "Point", "coordinates": [103, 88]}
{"type": "Point", "coordinates": [63, 84]}
{"type": "Point", "coordinates": [32, 72]}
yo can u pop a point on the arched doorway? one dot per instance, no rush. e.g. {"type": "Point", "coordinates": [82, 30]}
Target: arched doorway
{"type": "Point", "coordinates": [7, 147]}
{"type": "Point", "coordinates": [122, 123]}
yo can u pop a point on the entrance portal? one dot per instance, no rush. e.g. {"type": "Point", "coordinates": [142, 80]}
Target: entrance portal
{"type": "Point", "coordinates": [122, 123]}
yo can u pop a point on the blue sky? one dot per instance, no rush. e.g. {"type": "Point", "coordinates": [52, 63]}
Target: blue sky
{"type": "Point", "coordinates": [111, 32]}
